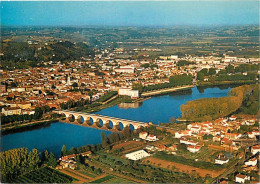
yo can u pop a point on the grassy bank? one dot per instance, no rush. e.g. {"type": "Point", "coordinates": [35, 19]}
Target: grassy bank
{"type": "Point", "coordinates": [166, 90]}
{"type": "Point", "coordinates": [117, 100]}
{"type": "Point", "coordinates": [22, 127]}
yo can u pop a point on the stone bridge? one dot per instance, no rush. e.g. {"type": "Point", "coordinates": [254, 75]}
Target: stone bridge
{"type": "Point", "coordinates": [100, 120]}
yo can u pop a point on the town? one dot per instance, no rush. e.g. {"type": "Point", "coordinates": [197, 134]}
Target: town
{"type": "Point", "coordinates": [129, 92]}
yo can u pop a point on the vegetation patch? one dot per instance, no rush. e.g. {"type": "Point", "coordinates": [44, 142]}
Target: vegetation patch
{"type": "Point", "coordinates": [44, 175]}
{"type": "Point", "coordinates": [183, 160]}
{"type": "Point", "coordinates": [213, 108]}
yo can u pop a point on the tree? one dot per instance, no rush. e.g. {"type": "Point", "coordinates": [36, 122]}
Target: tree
{"type": "Point", "coordinates": [52, 161]}
{"type": "Point", "coordinates": [230, 69]}
{"type": "Point", "coordinates": [45, 156]}
{"type": "Point", "coordinates": [207, 137]}
{"type": "Point", "coordinates": [14, 84]}
{"type": "Point", "coordinates": [212, 71]}
{"type": "Point", "coordinates": [33, 159]}
{"type": "Point", "coordinates": [38, 113]}
{"type": "Point", "coordinates": [138, 86]}
{"type": "Point", "coordinates": [200, 76]}
{"type": "Point", "coordinates": [74, 85]}
{"type": "Point", "coordinates": [172, 120]}
{"type": "Point", "coordinates": [64, 150]}
{"type": "Point", "coordinates": [104, 140]}
{"type": "Point", "coordinates": [183, 63]}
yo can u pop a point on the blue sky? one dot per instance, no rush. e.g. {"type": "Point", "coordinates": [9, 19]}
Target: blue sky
{"type": "Point", "coordinates": [129, 13]}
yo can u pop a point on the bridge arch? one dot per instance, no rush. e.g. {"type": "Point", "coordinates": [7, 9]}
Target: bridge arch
{"type": "Point", "coordinates": [120, 126]}
{"type": "Point", "coordinates": [63, 116]}
{"type": "Point", "coordinates": [71, 118]}
{"type": "Point", "coordinates": [81, 119]}
{"type": "Point", "coordinates": [90, 121]}
{"type": "Point", "coordinates": [99, 122]}
{"type": "Point", "coordinates": [131, 126]}
{"type": "Point", "coordinates": [109, 124]}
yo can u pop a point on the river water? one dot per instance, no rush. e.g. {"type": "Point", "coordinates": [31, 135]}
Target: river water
{"type": "Point", "coordinates": [156, 109]}
{"type": "Point", "coordinates": [159, 109]}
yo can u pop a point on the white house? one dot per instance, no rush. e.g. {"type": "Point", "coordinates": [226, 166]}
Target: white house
{"type": "Point", "coordinates": [241, 178]}
{"type": "Point", "coordinates": [251, 135]}
{"type": "Point", "coordinates": [151, 138]}
{"type": "Point", "coordinates": [232, 118]}
{"type": "Point", "coordinates": [137, 155]}
{"type": "Point", "coordinates": [182, 133]}
{"type": "Point", "coordinates": [193, 149]}
{"type": "Point", "coordinates": [221, 160]}
{"type": "Point", "coordinates": [188, 142]}
{"type": "Point", "coordinates": [249, 123]}
{"type": "Point", "coordinates": [143, 135]}
{"type": "Point", "coordinates": [255, 149]}
{"type": "Point", "coordinates": [251, 162]}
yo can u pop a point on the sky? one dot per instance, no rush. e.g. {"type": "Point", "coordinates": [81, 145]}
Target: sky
{"type": "Point", "coordinates": [129, 13]}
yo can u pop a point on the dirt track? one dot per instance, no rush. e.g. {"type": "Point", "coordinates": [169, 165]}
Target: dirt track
{"type": "Point", "coordinates": [183, 168]}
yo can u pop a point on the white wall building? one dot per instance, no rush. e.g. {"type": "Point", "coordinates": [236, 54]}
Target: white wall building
{"type": "Point", "coordinates": [255, 149]}
{"type": "Point", "coordinates": [125, 69]}
{"type": "Point", "coordinates": [128, 92]}
{"type": "Point", "coordinates": [221, 160]}
{"type": "Point", "coordinates": [137, 155]}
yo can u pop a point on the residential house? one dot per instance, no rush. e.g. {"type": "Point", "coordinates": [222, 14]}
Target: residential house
{"type": "Point", "coordinates": [172, 148]}
{"type": "Point", "coordinates": [151, 138]}
{"type": "Point", "coordinates": [182, 133]}
{"type": "Point", "coordinates": [193, 149]}
{"type": "Point", "coordinates": [251, 162]}
{"type": "Point", "coordinates": [143, 135]}
{"type": "Point", "coordinates": [255, 149]}
{"type": "Point", "coordinates": [161, 147]}
{"type": "Point", "coordinates": [241, 178]}
{"type": "Point", "coordinates": [232, 118]}
{"type": "Point", "coordinates": [188, 142]}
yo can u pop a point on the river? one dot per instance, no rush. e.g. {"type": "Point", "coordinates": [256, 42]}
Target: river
{"type": "Point", "coordinates": [159, 109]}
{"type": "Point", "coordinates": [156, 109]}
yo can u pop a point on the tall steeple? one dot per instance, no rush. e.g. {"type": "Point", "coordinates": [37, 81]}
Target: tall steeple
{"type": "Point", "coordinates": [68, 80]}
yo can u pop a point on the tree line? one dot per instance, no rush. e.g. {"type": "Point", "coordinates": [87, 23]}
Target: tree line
{"type": "Point", "coordinates": [72, 104]}
{"type": "Point", "coordinates": [230, 73]}
{"type": "Point", "coordinates": [213, 108]}
{"type": "Point", "coordinates": [18, 161]}
{"type": "Point", "coordinates": [176, 80]}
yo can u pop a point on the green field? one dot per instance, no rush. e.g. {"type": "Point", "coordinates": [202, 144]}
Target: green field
{"type": "Point", "coordinates": [102, 180]}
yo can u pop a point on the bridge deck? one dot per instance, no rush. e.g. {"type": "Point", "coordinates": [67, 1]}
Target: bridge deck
{"type": "Point", "coordinates": [101, 116]}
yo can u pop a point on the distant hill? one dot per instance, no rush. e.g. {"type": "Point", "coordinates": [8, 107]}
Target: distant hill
{"type": "Point", "coordinates": [22, 54]}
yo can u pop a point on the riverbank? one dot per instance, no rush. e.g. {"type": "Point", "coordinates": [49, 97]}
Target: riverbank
{"type": "Point", "coordinates": [167, 90]}
{"type": "Point", "coordinates": [205, 84]}
{"type": "Point", "coordinates": [112, 102]}
{"type": "Point", "coordinates": [22, 127]}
